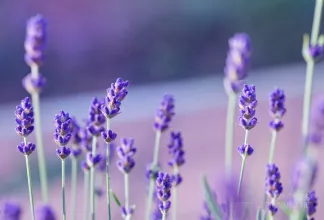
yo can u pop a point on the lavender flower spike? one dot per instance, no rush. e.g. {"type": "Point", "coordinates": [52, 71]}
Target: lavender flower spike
{"type": "Point", "coordinates": [248, 104]}
{"type": "Point", "coordinates": [311, 202]}
{"type": "Point", "coordinates": [237, 62]}
{"type": "Point", "coordinates": [10, 211]}
{"type": "Point", "coordinates": [273, 187]}
{"type": "Point", "coordinates": [24, 118]}
{"type": "Point", "coordinates": [163, 186]}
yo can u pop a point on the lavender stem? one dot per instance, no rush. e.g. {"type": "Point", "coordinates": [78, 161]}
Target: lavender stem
{"type": "Point", "coordinates": [243, 163]}
{"type": "Point", "coordinates": [63, 189]}
{"type": "Point", "coordinates": [74, 177]}
{"type": "Point", "coordinates": [30, 187]}
{"type": "Point", "coordinates": [85, 195]}
{"type": "Point", "coordinates": [92, 180]}
{"type": "Point", "coordinates": [174, 195]}
{"type": "Point", "coordinates": [39, 139]}
{"type": "Point", "coordinates": [229, 133]}
{"type": "Point", "coordinates": [126, 182]}
{"type": "Point", "coordinates": [108, 172]}
{"type": "Point", "coordinates": [310, 72]}
{"type": "Point", "coordinates": [154, 164]}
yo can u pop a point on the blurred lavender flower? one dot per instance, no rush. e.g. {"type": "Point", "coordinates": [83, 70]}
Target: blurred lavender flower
{"type": "Point", "coordinates": [237, 62]}
{"type": "Point", "coordinates": [126, 153]}
{"type": "Point", "coordinates": [273, 186]}
{"type": "Point", "coordinates": [11, 211]}
{"type": "Point", "coordinates": [24, 118]}
{"type": "Point", "coordinates": [26, 149]}
{"type": "Point", "coordinates": [277, 109]}
{"type": "Point", "coordinates": [303, 168]}
{"type": "Point", "coordinates": [164, 113]}
{"type": "Point", "coordinates": [247, 104]}
{"type": "Point", "coordinates": [115, 95]}
{"type": "Point", "coordinates": [163, 186]}
{"type": "Point", "coordinates": [45, 212]}
{"type": "Point", "coordinates": [62, 134]}
{"type": "Point", "coordinates": [96, 118]}
{"type": "Point", "coordinates": [311, 202]}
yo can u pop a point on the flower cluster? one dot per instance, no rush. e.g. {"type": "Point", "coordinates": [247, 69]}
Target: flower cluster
{"type": "Point", "coordinates": [237, 62]}
{"type": "Point", "coordinates": [248, 104]}
{"type": "Point", "coordinates": [126, 153]}
{"type": "Point", "coordinates": [273, 185]}
{"type": "Point", "coordinates": [164, 113]}
{"type": "Point", "coordinates": [10, 211]}
{"type": "Point", "coordinates": [277, 109]}
{"type": "Point", "coordinates": [163, 186]}
{"type": "Point", "coordinates": [177, 152]}
{"type": "Point", "coordinates": [24, 118]}
{"type": "Point", "coordinates": [96, 118]}
{"type": "Point", "coordinates": [115, 95]}
{"type": "Point", "coordinates": [62, 134]}
{"type": "Point", "coordinates": [311, 203]}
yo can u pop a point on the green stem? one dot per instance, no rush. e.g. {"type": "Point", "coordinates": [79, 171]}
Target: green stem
{"type": "Point", "coordinates": [92, 180]}
{"type": "Point", "coordinates": [310, 72]}
{"type": "Point", "coordinates": [40, 147]}
{"type": "Point", "coordinates": [174, 196]}
{"type": "Point", "coordinates": [108, 172]}
{"type": "Point", "coordinates": [30, 187]}
{"type": "Point", "coordinates": [74, 177]}
{"type": "Point", "coordinates": [229, 133]}
{"type": "Point", "coordinates": [126, 186]}
{"type": "Point", "coordinates": [63, 189]}
{"type": "Point", "coordinates": [154, 164]}
{"type": "Point", "coordinates": [85, 195]}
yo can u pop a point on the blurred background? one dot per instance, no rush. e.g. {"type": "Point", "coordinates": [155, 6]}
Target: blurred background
{"type": "Point", "coordinates": [176, 47]}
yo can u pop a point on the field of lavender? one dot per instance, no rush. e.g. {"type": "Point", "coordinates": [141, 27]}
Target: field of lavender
{"type": "Point", "coordinates": [195, 158]}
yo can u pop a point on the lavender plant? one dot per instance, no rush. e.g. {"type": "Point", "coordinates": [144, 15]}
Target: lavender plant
{"type": "Point", "coordinates": [36, 34]}
{"type": "Point", "coordinates": [25, 126]}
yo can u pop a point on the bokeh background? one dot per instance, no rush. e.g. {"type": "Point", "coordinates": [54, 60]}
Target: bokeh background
{"type": "Point", "coordinates": [176, 47]}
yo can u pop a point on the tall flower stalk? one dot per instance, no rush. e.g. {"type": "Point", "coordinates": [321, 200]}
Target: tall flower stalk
{"type": "Point", "coordinates": [36, 32]}
{"type": "Point", "coordinates": [115, 95]}
{"type": "Point", "coordinates": [236, 69]}
{"type": "Point", "coordinates": [247, 120]}
{"type": "Point", "coordinates": [163, 118]}
{"type": "Point", "coordinates": [62, 136]}
{"type": "Point", "coordinates": [312, 49]}
{"type": "Point", "coordinates": [25, 126]}
{"type": "Point", "coordinates": [178, 159]}
{"type": "Point", "coordinates": [126, 164]}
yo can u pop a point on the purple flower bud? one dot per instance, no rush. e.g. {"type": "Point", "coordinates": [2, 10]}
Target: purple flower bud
{"type": "Point", "coordinates": [35, 40]}
{"type": "Point", "coordinates": [245, 150]}
{"type": "Point", "coordinates": [26, 149]}
{"type": "Point", "coordinates": [311, 202]}
{"type": "Point", "coordinates": [63, 152]}
{"type": "Point", "coordinates": [164, 113]}
{"type": "Point", "coordinates": [24, 118]}
{"type": "Point", "coordinates": [10, 211]}
{"type": "Point", "coordinates": [237, 62]}
{"type": "Point", "coordinates": [108, 136]}
{"type": "Point", "coordinates": [45, 212]}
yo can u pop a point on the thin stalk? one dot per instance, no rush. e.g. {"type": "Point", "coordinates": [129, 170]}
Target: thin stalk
{"type": "Point", "coordinates": [85, 195]}
{"type": "Point", "coordinates": [39, 139]}
{"type": "Point", "coordinates": [229, 133]}
{"type": "Point", "coordinates": [30, 187]}
{"type": "Point", "coordinates": [108, 172]}
{"type": "Point", "coordinates": [63, 189]}
{"type": "Point", "coordinates": [243, 164]}
{"type": "Point", "coordinates": [174, 195]}
{"type": "Point", "coordinates": [92, 180]}
{"type": "Point", "coordinates": [126, 186]}
{"type": "Point", "coordinates": [310, 72]}
{"type": "Point", "coordinates": [74, 177]}
{"type": "Point", "coordinates": [154, 164]}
